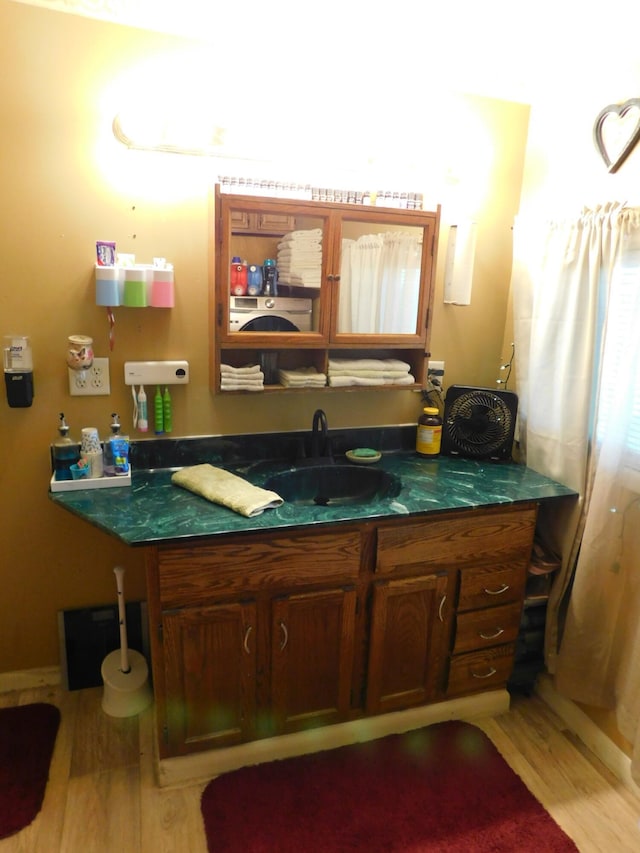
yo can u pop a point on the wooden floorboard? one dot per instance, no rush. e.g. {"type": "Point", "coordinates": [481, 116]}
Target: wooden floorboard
{"type": "Point", "coordinates": [102, 795]}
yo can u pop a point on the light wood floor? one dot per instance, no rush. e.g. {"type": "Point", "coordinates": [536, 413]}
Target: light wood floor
{"type": "Point", "coordinates": [102, 798]}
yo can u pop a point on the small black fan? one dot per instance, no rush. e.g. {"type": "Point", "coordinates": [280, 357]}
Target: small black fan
{"type": "Point", "coordinates": [479, 423]}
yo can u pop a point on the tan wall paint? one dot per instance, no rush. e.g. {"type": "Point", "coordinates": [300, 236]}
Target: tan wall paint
{"type": "Point", "coordinates": [58, 197]}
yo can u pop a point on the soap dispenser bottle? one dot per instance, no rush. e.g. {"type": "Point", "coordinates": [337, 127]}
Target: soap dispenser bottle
{"type": "Point", "coordinates": [66, 452]}
{"type": "Point", "coordinates": [116, 450]}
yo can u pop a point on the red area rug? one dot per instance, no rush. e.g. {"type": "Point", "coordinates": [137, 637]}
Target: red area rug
{"type": "Point", "coordinates": [27, 737]}
{"type": "Point", "coordinates": [441, 788]}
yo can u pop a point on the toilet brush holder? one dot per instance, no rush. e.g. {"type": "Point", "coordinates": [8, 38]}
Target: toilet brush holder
{"type": "Point", "coordinates": [125, 693]}
{"type": "Point", "coordinates": [124, 672]}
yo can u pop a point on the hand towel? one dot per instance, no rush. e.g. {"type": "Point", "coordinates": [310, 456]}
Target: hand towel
{"type": "Point", "coordinates": [230, 385]}
{"type": "Point", "coordinates": [247, 370]}
{"type": "Point", "coordinates": [222, 487]}
{"type": "Point", "coordinates": [368, 364]}
{"type": "Point", "coordinates": [388, 375]}
{"type": "Point", "coordinates": [345, 381]}
{"type": "Point", "coordinates": [302, 377]}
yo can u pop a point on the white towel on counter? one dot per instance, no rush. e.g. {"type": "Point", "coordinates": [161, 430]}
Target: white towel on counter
{"type": "Point", "coordinates": [222, 487]}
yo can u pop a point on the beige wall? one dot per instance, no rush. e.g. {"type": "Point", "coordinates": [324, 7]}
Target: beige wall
{"type": "Point", "coordinates": [66, 182]}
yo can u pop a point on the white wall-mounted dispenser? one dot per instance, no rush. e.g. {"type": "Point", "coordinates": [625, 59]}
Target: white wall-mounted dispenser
{"type": "Point", "coordinates": [156, 372]}
{"type": "Point", "coordinates": [18, 371]}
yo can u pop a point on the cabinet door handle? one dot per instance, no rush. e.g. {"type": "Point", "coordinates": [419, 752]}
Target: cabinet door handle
{"type": "Point", "coordinates": [246, 639]}
{"type": "Point", "coordinates": [285, 636]}
{"type": "Point", "coordinates": [441, 608]}
{"type": "Point", "coordinates": [495, 634]}
{"type": "Point", "coordinates": [503, 588]}
{"type": "Point", "coordinates": [491, 672]}
{"type": "Point", "coordinates": [330, 277]}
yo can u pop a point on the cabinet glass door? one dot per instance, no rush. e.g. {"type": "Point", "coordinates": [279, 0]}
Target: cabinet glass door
{"type": "Point", "coordinates": [382, 267]}
{"type": "Point", "coordinates": [273, 257]}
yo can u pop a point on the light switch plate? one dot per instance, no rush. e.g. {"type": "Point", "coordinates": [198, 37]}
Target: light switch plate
{"type": "Point", "coordinates": [93, 382]}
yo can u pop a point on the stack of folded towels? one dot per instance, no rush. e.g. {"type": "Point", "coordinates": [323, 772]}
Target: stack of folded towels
{"type": "Point", "coordinates": [369, 371]}
{"type": "Point", "coordinates": [300, 258]}
{"type": "Point", "coordinates": [302, 377]}
{"type": "Point", "coordinates": [249, 378]}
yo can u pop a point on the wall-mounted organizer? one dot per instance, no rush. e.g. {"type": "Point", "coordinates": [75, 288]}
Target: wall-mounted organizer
{"type": "Point", "coordinates": [137, 286]}
{"type": "Point", "coordinates": [156, 372]}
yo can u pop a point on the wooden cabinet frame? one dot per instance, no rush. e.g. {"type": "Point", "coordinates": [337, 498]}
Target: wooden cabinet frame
{"type": "Point", "coordinates": [256, 217]}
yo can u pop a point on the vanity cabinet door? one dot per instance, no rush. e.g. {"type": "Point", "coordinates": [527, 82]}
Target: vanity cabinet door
{"type": "Point", "coordinates": [312, 656]}
{"type": "Point", "coordinates": [409, 632]}
{"type": "Point", "coordinates": [210, 676]}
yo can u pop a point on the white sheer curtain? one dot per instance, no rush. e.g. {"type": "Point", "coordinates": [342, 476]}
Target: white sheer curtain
{"type": "Point", "coordinates": [380, 284]}
{"type": "Point", "coordinates": [577, 314]}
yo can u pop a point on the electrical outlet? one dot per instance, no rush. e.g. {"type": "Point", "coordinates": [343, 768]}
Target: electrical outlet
{"type": "Point", "coordinates": [93, 382]}
{"type": "Point", "coordinates": [435, 372]}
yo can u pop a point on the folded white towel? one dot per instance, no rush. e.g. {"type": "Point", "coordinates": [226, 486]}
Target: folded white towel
{"type": "Point", "coordinates": [388, 375]}
{"type": "Point", "coordinates": [345, 381]}
{"type": "Point", "coordinates": [236, 386]}
{"type": "Point", "coordinates": [301, 234]}
{"type": "Point", "coordinates": [243, 379]}
{"type": "Point", "coordinates": [368, 364]}
{"type": "Point", "coordinates": [302, 377]}
{"type": "Point", "coordinates": [222, 487]}
{"type": "Point", "coordinates": [248, 369]}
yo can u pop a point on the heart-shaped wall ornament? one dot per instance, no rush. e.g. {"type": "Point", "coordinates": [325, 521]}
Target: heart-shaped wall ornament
{"type": "Point", "coordinates": [616, 132]}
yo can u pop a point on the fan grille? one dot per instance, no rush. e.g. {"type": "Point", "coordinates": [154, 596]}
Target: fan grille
{"type": "Point", "coordinates": [480, 423]}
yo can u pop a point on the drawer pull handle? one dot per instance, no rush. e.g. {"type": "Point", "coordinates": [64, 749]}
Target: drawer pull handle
{"type": "Point", "coordinates": [491, 672]}
{"type": "Point", "coordinates": [441, 608]}
{"type": "Point", "coordinates": [285, 636]}
{"type": "Point", "coordinates": [246, 639]}
{"type": "Point", "coordinates": [503, 589]}
{"type": "Point", "coordinates": [495, 634]}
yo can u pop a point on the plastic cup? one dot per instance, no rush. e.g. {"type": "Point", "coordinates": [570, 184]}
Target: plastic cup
{"type": "Point", "coordinates": [135, 287]}
{"type": "Point", "coordinates": [162, 289]}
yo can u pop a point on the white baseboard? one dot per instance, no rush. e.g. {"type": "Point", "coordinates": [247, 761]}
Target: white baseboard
{"type": "Point", "coordinates": [202, 766]}
{"type": "Point", "coordinates": [29, 679]}
{"type": "Point", "coordinates": [589, 733]}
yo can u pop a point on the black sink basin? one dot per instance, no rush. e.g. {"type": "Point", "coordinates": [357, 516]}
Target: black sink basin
{"type": "Point", "coordinates": [334, 485]}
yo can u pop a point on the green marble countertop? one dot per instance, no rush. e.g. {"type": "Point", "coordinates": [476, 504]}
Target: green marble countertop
{"type": "Point", "coordinates": [153, 510]}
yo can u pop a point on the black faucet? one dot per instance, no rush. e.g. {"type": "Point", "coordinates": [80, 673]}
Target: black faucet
{"type": "Point", "coordinates": [320, 441]}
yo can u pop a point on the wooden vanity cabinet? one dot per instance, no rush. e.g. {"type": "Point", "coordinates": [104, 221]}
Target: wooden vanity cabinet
{"type": "Point", "coordinates": [484, 555]}
{"type": "Point", "coordinates": [269, 633]}
{"type": "Point", "coordinates": [251, 637]}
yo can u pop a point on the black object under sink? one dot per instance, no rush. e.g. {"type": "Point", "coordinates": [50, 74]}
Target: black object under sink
{"type": "Point", "coordinates": [334, 485]}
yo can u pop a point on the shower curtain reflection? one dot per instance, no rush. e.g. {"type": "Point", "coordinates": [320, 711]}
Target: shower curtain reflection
{"type": "Point", "coordinates": [380, 284]}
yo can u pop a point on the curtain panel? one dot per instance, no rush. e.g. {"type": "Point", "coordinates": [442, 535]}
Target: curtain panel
{"type": "Point", "coordinates": [576, 292]}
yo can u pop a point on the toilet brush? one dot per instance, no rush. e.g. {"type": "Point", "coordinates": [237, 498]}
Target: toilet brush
{"type": "Point", "coordinates": [124, 671]}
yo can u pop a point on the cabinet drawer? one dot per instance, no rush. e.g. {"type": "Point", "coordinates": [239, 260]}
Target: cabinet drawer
{"type": "Point", "coordinates": [202, 573]}
{"type": "Point", "coordinates": [486, 670]}
{"type": "Point", "coordinates": [481, 629]}
{"type": "Point", "coordinates": [492, 585]}
{"type": "Point", "coordinates": [475, 537]}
